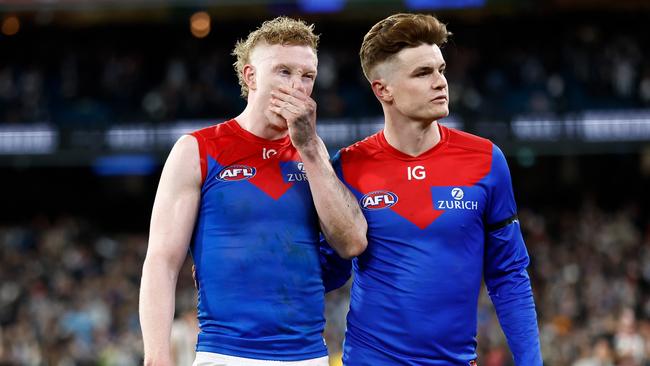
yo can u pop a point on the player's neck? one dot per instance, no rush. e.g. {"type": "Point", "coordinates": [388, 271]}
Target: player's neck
{"type": "Point", "coordinates": [411, 137]}
{"type": "Point", "coordinates": [253, 120]}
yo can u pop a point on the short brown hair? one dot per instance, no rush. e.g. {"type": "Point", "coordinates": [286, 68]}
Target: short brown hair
{"type": "Point", "coordinates": [399, 31]}
{"type": "Point", "coordinates": [281, 30]}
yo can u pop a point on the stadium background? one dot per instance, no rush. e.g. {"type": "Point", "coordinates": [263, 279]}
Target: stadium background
{"type": "Point", "coordinates": [94, 93]}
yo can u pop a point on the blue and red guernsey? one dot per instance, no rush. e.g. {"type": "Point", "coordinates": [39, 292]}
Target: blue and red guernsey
{"type": "Point", "coordinates": [437, 224]}
{"type": "Point", "coordinates": [256, 249]}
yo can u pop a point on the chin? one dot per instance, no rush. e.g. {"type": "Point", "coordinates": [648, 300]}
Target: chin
{"type": "Point", "coordinates": [442, 113]}
{"type": "Point", "coordinates": [431, 114]}
{"type": "Point", "coordinates": [432, 117]}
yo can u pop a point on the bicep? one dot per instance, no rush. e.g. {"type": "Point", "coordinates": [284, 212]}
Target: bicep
{"type": "Point", "coordinates": [506, 257]}
{"type": "Point", "coordinates": [176, 204]}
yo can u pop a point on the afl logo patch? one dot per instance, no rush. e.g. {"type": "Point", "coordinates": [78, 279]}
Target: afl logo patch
{"type": "Point", "coordinates": [377, 200]}
{"type": "Point", "coordinates": [236, 172]}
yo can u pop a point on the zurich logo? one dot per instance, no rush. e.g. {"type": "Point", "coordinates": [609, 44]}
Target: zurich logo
{"type": "Point", "coordinates": [377, 200]}
{"type": "Point", "coordinates": [236, 172]}
{"type": "Point", "coordinates": [457, 193]}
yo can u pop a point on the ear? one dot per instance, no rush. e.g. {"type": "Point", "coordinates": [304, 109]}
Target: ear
{"type": "Point", "coordinates": [249, 76]}
{"type": "Point", "coordinates": [381, 90]}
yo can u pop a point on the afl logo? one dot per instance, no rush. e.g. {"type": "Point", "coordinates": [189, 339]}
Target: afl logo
{"type": "Point", "coordinates": [236, 172]}
{"type": "Point", "coordinates": [457, 193]}
{"type": "Point", "coordinates": [377, 200]}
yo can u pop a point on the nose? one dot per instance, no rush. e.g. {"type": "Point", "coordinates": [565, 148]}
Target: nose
{"type": "Point", "coordinates": [439, 82]}
{"type": "Point", "coordinates": [296, 83]}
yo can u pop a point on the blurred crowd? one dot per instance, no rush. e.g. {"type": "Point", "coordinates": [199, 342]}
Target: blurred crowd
{"type": "Point", "coordinates": [504, 68]}
{"type": "Point", "coordinates": [69, 293]}
{"type": "Point", "coordinates": [590, 270]}
{"type": "Point", "coordinates": [69, 296]}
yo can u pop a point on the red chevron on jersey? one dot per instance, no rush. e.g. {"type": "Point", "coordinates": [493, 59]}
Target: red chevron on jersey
{"type": "Point", "coordinates": [270, 179]}
{"type": "Point", "coordinates": [230, 145]}
{"type": "Point", "coordinates": [374, 165]}
{"type": "Point", "coordinates": [416, 204]}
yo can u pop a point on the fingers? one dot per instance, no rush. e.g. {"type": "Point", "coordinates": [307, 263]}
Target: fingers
{"type": "Point", "coordinates": [289, 102]}
{"type": "Point", "coordinates": [281, 112]}
{"type": "Point", "coordinates": [291, 91]}
{"type": "Point", "coordinates": [292, 104]}
{"type": "Point", "coordinates": [278, 106]}
{"type": "Point", "coordinates": [285, 99]}
{"type": "Point", "coordinates": [294, 96]}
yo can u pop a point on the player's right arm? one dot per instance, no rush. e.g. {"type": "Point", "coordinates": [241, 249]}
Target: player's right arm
{"type": "Point", "coordinates": [172, 222]}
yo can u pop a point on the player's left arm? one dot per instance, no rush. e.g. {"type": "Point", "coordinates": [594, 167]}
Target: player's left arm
{"type": "Point", "coordinates": [342, 222]}
{"type": "Point", "coordinates": [505, 265]}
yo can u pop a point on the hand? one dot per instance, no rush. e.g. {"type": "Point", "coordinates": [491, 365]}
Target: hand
{"type": "Point", "coordinates": [299, 110]}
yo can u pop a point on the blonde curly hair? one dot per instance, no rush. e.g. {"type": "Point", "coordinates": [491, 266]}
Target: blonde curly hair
{"type": "Point", "coordinates": [281, 30]}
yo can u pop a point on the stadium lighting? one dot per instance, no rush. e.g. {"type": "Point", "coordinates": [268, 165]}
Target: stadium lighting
{"type": "Point", "coordinates": [28, 139]}
{"type": "Point", "coordinates": [319, 6]}
{"type": "Point", "coordinates": [200, 24]}
{"type": "Point", "coordinates": [443, 4]}
{"type": "Point", "coordinates": [10, 25]}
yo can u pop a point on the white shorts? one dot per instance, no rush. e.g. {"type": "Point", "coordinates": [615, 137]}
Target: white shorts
{"type": "Point", "coordinates": [216, 359]}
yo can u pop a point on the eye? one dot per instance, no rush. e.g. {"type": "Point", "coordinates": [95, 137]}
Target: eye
{"type": "Point", "coordinates": [310, 76]}
{"type": "Point", "coordinates": [285, 72]}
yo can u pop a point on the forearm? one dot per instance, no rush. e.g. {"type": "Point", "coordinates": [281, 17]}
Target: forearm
{"type": "Point", "coordinates": [341, 219]}
{"type": "Point", "coordinates": [515, 308]}
{"type": "Point", "coordinates": [157, 301]}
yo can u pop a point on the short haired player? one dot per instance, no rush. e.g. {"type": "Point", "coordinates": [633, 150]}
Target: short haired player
{"type": "Point", "coordinates": [441, 217]}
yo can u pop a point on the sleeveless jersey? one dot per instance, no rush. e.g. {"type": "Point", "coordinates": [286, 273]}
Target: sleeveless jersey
{"type": "Point", "coordinates": [256, 249]}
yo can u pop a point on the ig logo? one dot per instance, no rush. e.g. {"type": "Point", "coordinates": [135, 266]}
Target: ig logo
{"type": "Point", "coordinates": [417, 172]}
{"type": "Point", "coordinates": [266, 154]}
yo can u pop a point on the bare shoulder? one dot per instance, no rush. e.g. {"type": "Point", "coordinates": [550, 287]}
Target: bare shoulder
{"type": "Point", "coordinates": [186, 146]}
{"type": "Point", "coordinates": [183, 163]}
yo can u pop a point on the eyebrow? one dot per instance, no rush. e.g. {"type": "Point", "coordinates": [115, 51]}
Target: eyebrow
{"type": "Point", "coordinates": [428, 68]}
{"type": "Point", "coordinates": [287, 66]}
{"type": "Point", "coordinates": [422, 69]}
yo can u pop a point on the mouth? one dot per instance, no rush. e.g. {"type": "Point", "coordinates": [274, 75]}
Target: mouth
{"type": "Point", "coordinates": [440, 99]}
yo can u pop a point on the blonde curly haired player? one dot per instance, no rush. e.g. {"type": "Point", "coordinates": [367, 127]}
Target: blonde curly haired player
{"type": "Point", "coordinates": [228, 193]}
